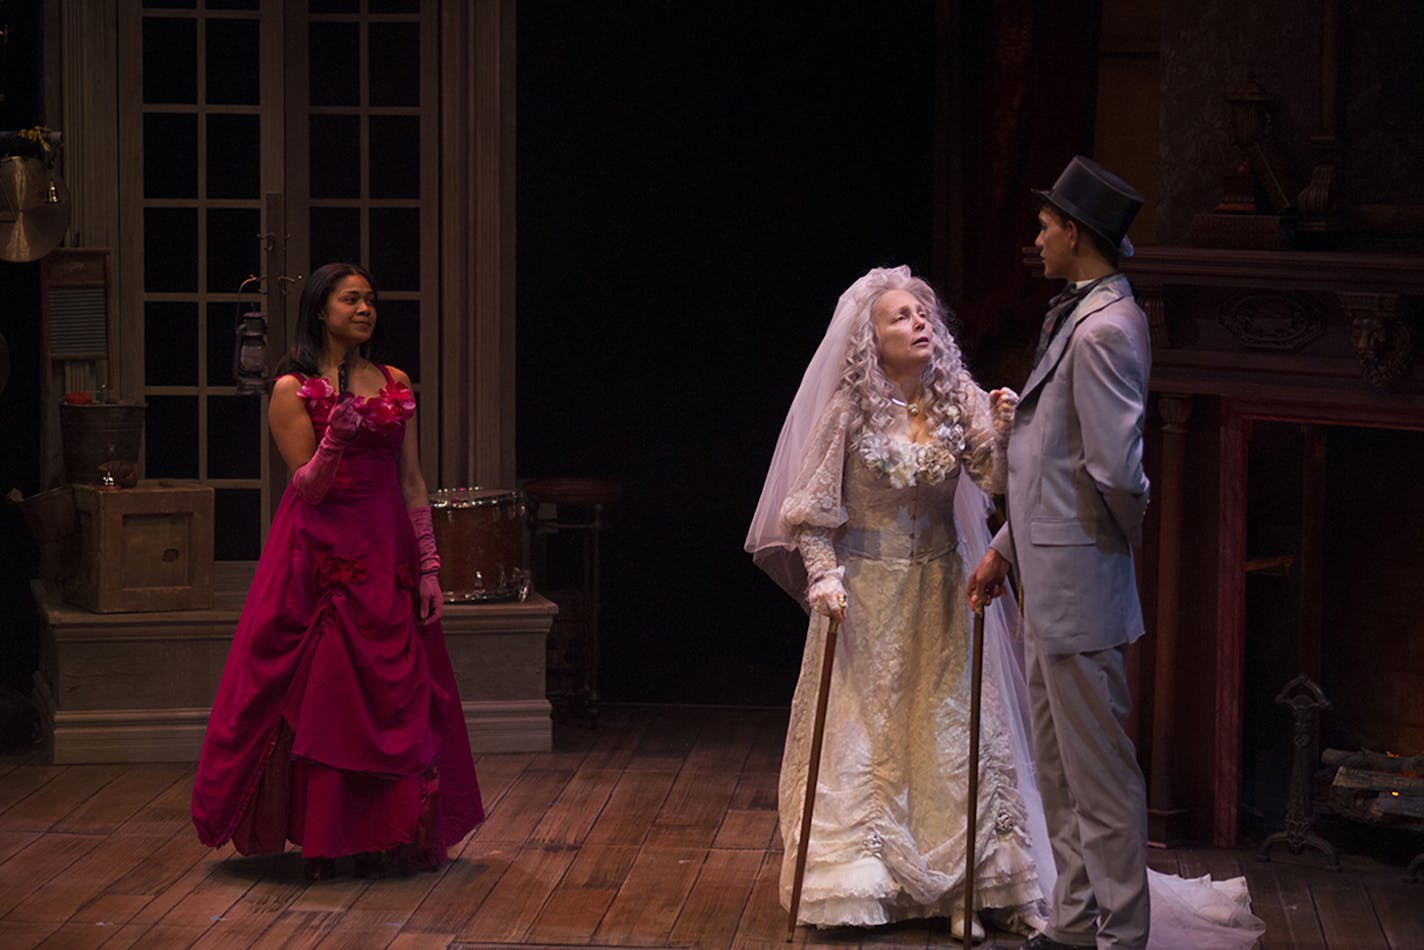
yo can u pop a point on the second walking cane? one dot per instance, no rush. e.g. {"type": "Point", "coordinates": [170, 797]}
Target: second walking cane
{"type": "Point", "coordinates": [975, 692]}
{"type": "Point", "coordinates": [813, 768]}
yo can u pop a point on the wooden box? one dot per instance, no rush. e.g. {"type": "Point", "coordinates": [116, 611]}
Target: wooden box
{"type": "Point", "coordinates": [144, 548]}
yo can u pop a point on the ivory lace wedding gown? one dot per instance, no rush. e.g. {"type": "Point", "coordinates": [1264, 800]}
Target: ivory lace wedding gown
{"type": "Point", "coordinates": [889, 824]}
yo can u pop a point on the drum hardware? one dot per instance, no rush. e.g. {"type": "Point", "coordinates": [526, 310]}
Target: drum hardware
{"type": "Point", "coordinates": [479, 533]}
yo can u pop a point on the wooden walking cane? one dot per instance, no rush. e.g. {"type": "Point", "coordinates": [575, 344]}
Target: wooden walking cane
{"type": "Point", "coordinates": [813, 768]}
{"type": "Point", "coordinates": [975, 688]}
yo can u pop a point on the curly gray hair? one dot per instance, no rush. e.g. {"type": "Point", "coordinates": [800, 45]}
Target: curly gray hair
{"type": "Point", "coordinates": [943, 387]}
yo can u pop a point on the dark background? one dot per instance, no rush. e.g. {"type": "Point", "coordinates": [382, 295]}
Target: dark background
{"type": "Point", "coordinates": [20, 399]}
{"type": "Point", "coordinates": [697, 185]}
{"type": "Point", "coordinates": [20, 106]}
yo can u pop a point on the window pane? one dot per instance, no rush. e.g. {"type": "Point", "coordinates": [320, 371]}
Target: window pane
{"type": "Point", "coordinates": [237, 524]}
{"type": "Point", "coordinates": [334, 6]}
{"type": "Point", "coordinates": [395, 247]}
{"type": "Point", "coordinates": [222, 339]}
{"type": "Point", "coordinates": [234, 247]}
{"type": "Point", "coordinates": [170, 60]}
{"type": "Point", "coordinates": [170, 344]}
{"type": "Point", "coordinates": [170, 156]}
{"type": "Point", "coordinates": [172, 4]}
{"type": "Point", "coordinates": [233, 433]}
{"type": "Point", "coordinates": [170, 250]}
{"type": "Point", "coordinates": [334, 57]}
{"type": "Point", "coordinates": [335, 236]}
{"type": "Point", "coordinates": [233, 62]}
{"type": "Point", "coordinates": [395, 156]}
{"type": "Point", "coordinates": [234, 4]}
{"type": "Point", "coordinates": [335, 156]}
{"type": "Point", "coordinates": [171, 439]}
{"type": "Point", "coordinates": [400, 324]}
{"type": "Point", "coordinates": [394, 6]}
{"type": "Point", "coordinates": [394, 64]}
{"type": "Point", "coordinates": [234, 160]}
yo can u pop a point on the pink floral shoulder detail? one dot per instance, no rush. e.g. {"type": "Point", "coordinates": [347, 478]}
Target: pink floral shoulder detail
{"type": "Point", "coordinates": [390, 407]}
{"type": "Point", "coordinates": [317, 393]}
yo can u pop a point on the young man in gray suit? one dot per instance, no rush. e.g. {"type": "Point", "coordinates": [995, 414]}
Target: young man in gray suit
{"type": "Point", "coordinates": [1076, 497]}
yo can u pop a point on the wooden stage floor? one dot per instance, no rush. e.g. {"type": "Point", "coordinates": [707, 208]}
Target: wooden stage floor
{"type": "Point", "coordinates": [657, 829]}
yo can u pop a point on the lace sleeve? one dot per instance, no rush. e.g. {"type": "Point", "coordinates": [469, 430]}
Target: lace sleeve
{"type": "Point", "coordinates": [815, 495]}
{"type": "Point", "coordinates": [825, 590]}
{"type": "Point", "coordinates": [985, 453]}
{"type": "Point", "coordinates": [818, 553]}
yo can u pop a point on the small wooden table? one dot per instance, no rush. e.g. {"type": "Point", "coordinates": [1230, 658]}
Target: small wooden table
{"type": "Point", "coordinates": [574, 507]}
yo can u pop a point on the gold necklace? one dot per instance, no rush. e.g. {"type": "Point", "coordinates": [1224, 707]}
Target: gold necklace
{"type": "Point", "coordinates": [913, 408]}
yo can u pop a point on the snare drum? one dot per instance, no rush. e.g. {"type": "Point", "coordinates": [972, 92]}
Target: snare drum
{"type": "Point", "coordinates": [479, 533]}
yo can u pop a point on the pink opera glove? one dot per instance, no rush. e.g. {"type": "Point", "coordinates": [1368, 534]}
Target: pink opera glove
{"type": "Point", "coordinates": [313, 479]}
{"type": "Point", "coordinates": [429, 602]}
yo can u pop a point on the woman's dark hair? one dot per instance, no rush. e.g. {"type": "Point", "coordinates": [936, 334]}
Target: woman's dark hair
{"type": "Point", "coordinates": [1110, 252]}
{"type": "Point", "coordinates": [309, 336]}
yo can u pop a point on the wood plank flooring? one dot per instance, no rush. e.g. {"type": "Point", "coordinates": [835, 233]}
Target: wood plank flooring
{"type": "Point", "coordinates": [656, 829]}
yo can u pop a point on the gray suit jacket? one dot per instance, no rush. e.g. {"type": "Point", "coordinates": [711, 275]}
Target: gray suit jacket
{"type": "Point", "coordinates": [1076, 490]}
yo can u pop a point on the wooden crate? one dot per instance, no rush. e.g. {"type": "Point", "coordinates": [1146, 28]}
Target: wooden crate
{"type": "Point", "coordinates": [144, 548]}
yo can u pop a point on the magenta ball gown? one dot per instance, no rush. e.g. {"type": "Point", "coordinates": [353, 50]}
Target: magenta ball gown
{"type": "Point", "coordinates": [337, 724]}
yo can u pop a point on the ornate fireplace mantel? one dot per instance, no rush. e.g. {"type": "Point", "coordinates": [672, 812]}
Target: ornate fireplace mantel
{"type": "Point", "coordinates": [1339, 328]}
{"type": "Point", "coordinates": [1277, 270]}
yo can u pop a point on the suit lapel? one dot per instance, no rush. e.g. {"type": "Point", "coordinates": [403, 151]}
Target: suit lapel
{"type": "Point", "coordinates": [1108, 292]}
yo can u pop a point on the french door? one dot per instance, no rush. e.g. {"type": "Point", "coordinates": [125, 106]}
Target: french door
{"type": "Point", "coordinates": [260, 139]}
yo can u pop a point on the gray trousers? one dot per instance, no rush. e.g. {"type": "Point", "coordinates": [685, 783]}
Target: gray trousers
{"type": "Point", "coordinates": [1094, 797]}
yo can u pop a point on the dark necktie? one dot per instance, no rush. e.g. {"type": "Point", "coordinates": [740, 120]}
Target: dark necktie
{"type": "Point", "coordinates": [1058, 309]}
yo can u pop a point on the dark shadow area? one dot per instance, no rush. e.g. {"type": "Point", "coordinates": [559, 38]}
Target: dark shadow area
{"type": "Point", "coordinates": [697, 186]}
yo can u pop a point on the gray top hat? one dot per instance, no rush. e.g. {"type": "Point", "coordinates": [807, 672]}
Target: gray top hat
{"type": "Point", "coordinates": [1102, 202]}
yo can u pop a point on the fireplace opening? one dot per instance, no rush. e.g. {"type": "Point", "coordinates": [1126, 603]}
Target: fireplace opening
{"type": "Point", "coordinates": [1334, 589]}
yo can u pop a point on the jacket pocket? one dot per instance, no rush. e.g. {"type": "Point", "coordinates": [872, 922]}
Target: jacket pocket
{"type": "Point", "coordinates": [1058, 531]}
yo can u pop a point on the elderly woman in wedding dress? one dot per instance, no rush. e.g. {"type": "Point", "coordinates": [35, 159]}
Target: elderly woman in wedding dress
{"type": "Point", "coordinates": [858, 515]}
